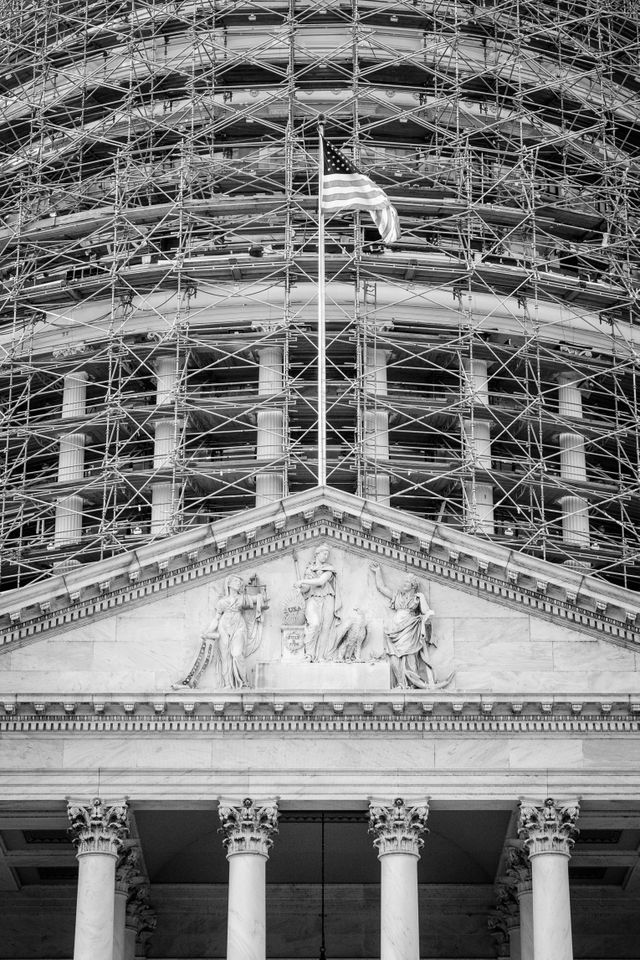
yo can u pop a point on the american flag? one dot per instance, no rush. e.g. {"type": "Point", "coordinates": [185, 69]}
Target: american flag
{"type": "Point", "coordinates": [345, 188]}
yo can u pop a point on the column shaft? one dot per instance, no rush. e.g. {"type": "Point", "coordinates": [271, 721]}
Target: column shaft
{"type": "Point", "coordinates": [248, 828]}
{"type": "Point", "coordinates": [164, 446]}
{"type": "Point", "coordinates": [68, 521]}
{"type": "Point", "coordinates": [129, 942]}
{"type": "Point", "coordinates": [399, 920]}
{"type": "Point", "coordinates": [575, 521]}
{"type": "Point", "coordinates": [166, 372]}
{"type": "Point", "coordinates": [549, 830]}
{"type": "Point", "coordinates": [525, 896]}
{"type": "Point", "coordinates": [573, 464]}
{"type": "Point", "coordinates": [515, 941]}
{"type": "Point", "coordinates": [551, 907]}
{"type": "Point", "coordinates": [269, 423]}
{"type": "Point", "coordinates": [376, 427]}
{"type": "Point", "coordinates": [95, 907]}
{"type": "Point", "coordinates": [74, 395]}
{"type": "Point", "coordinates": [476, 380]}
{"type": "Point", "coordinates": [398, 836]}
{"type": "Point", "coordinates": [119, 920]}
{"type": "Point", "coordinates": [98, 830]}
{"type": "Point", "coordinates": [246, 922]}
{"type": "Point", "coordinates": [477, 438]}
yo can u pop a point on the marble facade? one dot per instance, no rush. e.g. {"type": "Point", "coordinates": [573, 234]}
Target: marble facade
{"type": "Point", "coordinates": [527, 719]}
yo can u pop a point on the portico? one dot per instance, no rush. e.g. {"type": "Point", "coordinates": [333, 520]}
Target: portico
{"type": "Point", "coordinates": [492, 811]}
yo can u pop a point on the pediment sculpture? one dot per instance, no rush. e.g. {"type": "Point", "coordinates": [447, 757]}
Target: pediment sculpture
{"type": "Point", "coordinates": [231, 637]}
{"type": "Point", "coordinates": [409, 635]}
{"type": "Point", "coordinates": [316, 630]}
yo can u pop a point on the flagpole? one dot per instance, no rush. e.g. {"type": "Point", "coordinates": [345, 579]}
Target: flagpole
{"type": "Point", "coordinates": [322, 328]}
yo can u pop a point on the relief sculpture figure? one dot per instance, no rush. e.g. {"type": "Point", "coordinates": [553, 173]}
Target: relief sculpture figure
{"type": "Point", "coordinates": [229, 639]}
{"type": "Point", "coordinates": [319, 587]}
{"type": "Point", "coordinates": [408, 638]}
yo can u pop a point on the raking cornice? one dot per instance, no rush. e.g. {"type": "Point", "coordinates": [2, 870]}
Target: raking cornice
{"type": "Point", "coordinates": [435, 551]}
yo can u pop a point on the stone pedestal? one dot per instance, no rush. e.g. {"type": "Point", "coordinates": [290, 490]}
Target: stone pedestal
{"type": "Point", "coordinates": [397, 829]}
{"type": "Point", "coordinates": [330, 677]}
{"type": "Point", "coordinates": [549, 832]}
{"type": "Point", "coordinates": [248, 830]}
{"type": "Point", "coordinates": [98, 831]}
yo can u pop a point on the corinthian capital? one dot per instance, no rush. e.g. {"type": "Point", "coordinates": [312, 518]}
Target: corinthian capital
{"type": "Point", "coordinates": [518, 869]}
{"type": "Point", "coordinates": [98, 827]}
{"type": "Point", "coordinates": [398, 828]}
{"type": "Point", "coordinates": [141, 916]}
{"type": "Point", "coordinates": [248, 827]}
{"type": "Point", "coordinates": [549, 827]}
{"type": "Point", "coordinates": [128, 869]}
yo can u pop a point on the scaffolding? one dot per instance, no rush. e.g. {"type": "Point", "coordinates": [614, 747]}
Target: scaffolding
{"type": "Point", "coordinates": [159, 260]}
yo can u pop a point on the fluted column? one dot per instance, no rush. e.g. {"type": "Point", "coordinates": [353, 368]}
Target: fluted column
{"type": "Point", "coordinates": [477, 434]}
{"type": "Point", "coordinates": [549, 831]}
{"type": "Point", "coordinates": [248, 829]}
{"type": "Point", "coordinates": [269, 422]}
{"type": "Point", "coordinates": [519, 874]}
{"type": "Point", "coordinates": [397, 830]}
{"type": "Point", "coordinates": [164, 447]}
{"type": "Point", "coordinates": [376, 426]}
{"type": "Point", "coordinates": [573, 465]}
{"type": "Point", "coordinates": [68, 524]}
{"type": "Point", "coordinates": [98, 830]}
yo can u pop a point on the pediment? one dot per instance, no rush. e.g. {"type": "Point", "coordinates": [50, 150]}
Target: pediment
{"type": "Point", "coordinates": [502, 622]}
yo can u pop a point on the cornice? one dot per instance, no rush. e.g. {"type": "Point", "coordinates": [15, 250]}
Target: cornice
{"type": "Point", "coordinates": [435, 551]}
{"type": "Point", "coordinates": [264, 713]}
{"type": "Point", "coordinates": [303, 724]}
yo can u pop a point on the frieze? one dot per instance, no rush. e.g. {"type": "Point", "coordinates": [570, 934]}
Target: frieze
{"type": "Point", "coordinates": [54, 605]}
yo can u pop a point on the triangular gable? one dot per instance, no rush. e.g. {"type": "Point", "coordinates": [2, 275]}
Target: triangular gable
{"type": "Point", "coordinates": [435, 551]}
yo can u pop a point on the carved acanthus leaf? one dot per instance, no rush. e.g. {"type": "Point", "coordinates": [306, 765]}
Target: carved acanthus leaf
{"type": "Point", "coordinates": [398, 828]}
{"type": "Point", "coordinates": [128, 872]}
{"type": "Point", "coordinates": [549, 827]}
{"type": "Point", "coordinates": [141, 915]}
{"type": "Point", "coordinates": [518, 868]}
{"type": "Point", "coordinates": [498, 929]}
{"type": "Point", "coordinates": [249, 826]}
{"type": "Point", "coordinates": [98, 827]}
